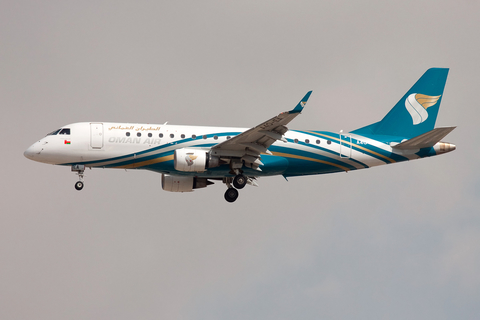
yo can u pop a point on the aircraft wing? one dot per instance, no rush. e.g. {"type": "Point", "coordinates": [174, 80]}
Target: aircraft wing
{"type": "Point", "coordinates": [250, 144]}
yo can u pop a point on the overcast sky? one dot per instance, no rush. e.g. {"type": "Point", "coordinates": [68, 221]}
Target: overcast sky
{"type": "Point", "coordinates": [393, 242]}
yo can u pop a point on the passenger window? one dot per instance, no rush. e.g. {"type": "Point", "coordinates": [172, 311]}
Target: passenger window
{"type": "Point", "coordinates": [139, 134]}
{"type": "Point", "coordinates": [172, 135]}
{"type": "Point", "coordinates": [183, 136]}
{"type": "Point", "coordinates": [127, 134]}
{"type": "Point", "coordinates": [318, 141]}
{"type": "Point", "coordinates": [215, 137]}
{"type": "Point", "coordinates": [65, 131]}
{"type": "Point", "coordinates": [307, 141]}
{"type": "Point", "coordinates": [149, 135]}
{"type": "Point", "coordinates": [228, 137]}
{"type": "Point", "coordinates": [160, 135]}
{"type": "Point", "coordinates": [204, 136]}
{"type": "Point", "coordinates": [329, 142]}
{"type": "Point", "coordinates": [296, 140]}
{"type": "Point", "coordinates": [194, 136]}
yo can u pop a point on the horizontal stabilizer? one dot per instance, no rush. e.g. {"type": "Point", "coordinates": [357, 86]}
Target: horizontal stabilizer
{"type": "Point", "coordinates": [426, 140]}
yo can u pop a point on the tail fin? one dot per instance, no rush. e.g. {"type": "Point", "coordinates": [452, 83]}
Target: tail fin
{"type": "Point", "coordinates": [416, 112]}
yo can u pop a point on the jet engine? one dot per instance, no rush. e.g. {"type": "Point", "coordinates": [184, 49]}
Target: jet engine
{"type": "Point", "coordinates": [194, 160]}
{"type": "Point", "coordinates": [183, 183]}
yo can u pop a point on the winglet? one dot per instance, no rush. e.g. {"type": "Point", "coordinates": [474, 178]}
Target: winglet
{"type": "Point", "coordinates": [302, 103]}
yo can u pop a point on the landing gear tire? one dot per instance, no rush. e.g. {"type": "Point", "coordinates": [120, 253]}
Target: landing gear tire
{"type": "Point", "coordinates": [231, 194]}
{"type": "Point", "coordinates": [79, 185]}
{"type": "Point", "coordinates": [239, 181]}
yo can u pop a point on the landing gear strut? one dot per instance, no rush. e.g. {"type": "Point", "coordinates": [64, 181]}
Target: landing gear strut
{"type": "Point", "coordinates": [79, 169]}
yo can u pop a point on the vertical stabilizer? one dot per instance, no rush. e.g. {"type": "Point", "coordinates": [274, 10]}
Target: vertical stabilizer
{"type": "Point", "coordinates": [417, 110]}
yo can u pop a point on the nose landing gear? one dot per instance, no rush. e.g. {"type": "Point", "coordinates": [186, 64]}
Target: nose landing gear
{"type": "Point", "coordinates": [79, 185]}
{"type": "Point", "coordinates": [79, 169]}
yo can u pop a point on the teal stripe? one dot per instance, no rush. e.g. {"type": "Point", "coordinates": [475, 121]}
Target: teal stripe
{"type": "Point", "coordinates": [312, 155]}
{"type": "Point", "coordinates": [318, 147]}
{"type": "Point", "coordinates": [369, 147]}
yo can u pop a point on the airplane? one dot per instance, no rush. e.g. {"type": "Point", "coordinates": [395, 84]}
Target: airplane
{"type": "Point", "coordinates": [192, 157]}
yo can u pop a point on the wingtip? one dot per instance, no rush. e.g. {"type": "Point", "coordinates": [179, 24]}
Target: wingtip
{"type": "Point", "coordinates": [302, 103]}
{"type": "Point", "coordinates": [305, 99]}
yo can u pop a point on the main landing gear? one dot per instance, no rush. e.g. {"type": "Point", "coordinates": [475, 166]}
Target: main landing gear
{"type": "Point", "coordinates": [239, 181]}
{"type": "Point", "coordinates": [79, 169]}
{"type": "Point", "coordinates": [231, 194]}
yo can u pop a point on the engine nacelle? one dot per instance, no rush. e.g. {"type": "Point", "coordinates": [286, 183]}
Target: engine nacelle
{"type": "Point", "coordinates": [190, 160]}
{"type": "Point", "coordinates": [177, 183]}
{"type": "Point", "coordinates": [194, 160]}
{"type": "Point", "coordinates": [183, 183]}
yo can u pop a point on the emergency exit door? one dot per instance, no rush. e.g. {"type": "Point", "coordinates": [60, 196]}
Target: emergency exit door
{"type": "Point", "coordinates": [345, 146]}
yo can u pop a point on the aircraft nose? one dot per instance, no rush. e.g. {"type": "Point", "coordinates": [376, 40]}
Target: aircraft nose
{"type": "Point", "coordinates": [32, 151]}
{"type": "Point", "coordinates": [29, 153]}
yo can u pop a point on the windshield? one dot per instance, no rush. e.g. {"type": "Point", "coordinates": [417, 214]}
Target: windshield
{"type": "Point", "coordinates": [54, 132]}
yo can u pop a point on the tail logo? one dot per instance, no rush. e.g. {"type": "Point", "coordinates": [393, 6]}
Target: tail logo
{"type": "Point", "coordinates": [189, 158]}
{"type": "Point", "coordinates": [417, 105]}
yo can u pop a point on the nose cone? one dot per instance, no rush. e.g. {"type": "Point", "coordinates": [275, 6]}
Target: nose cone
{"type": "Point", "coordinates": [29, 153]}
{"type": "Point", "coordinates": [33, 151]}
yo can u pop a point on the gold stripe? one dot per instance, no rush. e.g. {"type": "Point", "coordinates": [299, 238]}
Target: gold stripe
{"type": "Point", "coordinates": [426, 101]}
{"type": "Point", "coordinates": [146, 162]}
{"type": "Point", "coordinates": [357, 146]}
{"type": "Point", "coordinates": [287, 155]}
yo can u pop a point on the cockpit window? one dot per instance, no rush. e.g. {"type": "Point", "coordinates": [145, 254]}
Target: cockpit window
{"type": "Point", "coordinates": [54, 132]}
{"type": "Point", "coordinates": [65, 131]}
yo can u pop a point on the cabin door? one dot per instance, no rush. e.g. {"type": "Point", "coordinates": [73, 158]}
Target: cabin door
{"type": "Point", "coordinates": [96, 135]}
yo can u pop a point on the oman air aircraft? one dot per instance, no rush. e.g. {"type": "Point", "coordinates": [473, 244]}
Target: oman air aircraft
{"type": "Point", "coordinates": [192, 157]}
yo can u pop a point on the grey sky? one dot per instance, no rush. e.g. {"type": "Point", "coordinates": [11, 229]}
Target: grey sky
{"type": "Point", "coordinates": [393, 242]}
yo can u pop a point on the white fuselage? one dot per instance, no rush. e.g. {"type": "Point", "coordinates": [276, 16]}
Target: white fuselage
{"type": "Point", "coordinates": [107, 144]}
